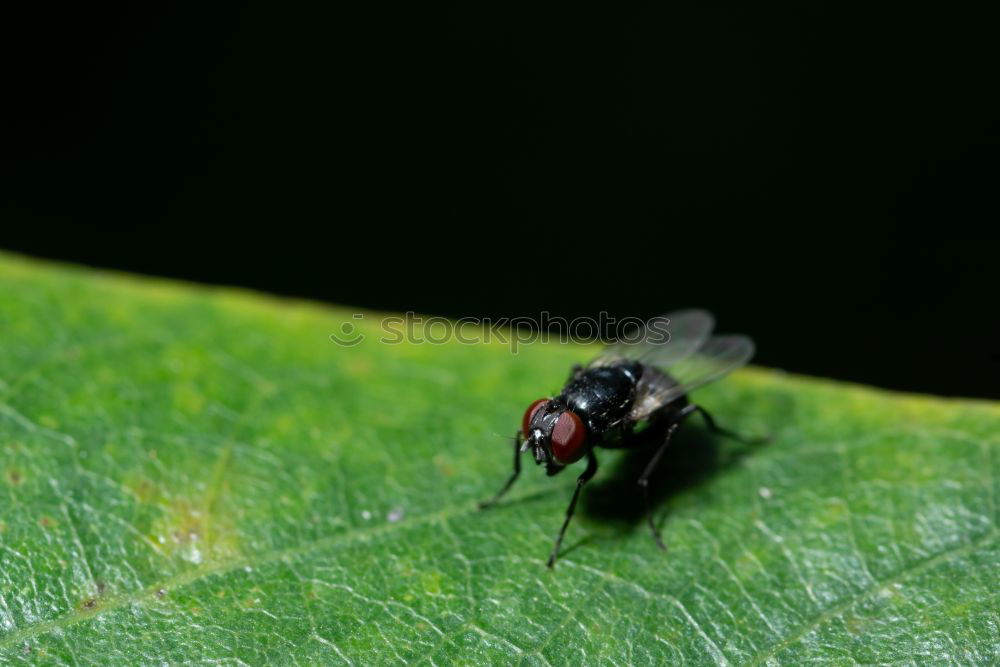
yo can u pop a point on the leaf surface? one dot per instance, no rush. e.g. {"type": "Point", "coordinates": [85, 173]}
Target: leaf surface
{"type": "Point", "coordinates": [194, 474]}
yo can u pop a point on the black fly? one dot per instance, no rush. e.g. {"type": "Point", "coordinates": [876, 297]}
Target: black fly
{"type": "Point", "coordinates": [629, 391]}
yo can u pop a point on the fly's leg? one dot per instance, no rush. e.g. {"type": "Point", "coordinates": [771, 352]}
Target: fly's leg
{"type": "Point", "coordinates": [725, 432]}
{"type": "Point", "coordinates": [513, 477]}
{"type": "Point", "coordinates": [651, 466]}
{"type": "Point", "coordinates": [580, 481]}
{"type": "Point", "coordinates": [644, 482]}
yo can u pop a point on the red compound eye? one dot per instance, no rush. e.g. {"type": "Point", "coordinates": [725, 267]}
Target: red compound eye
{"type": "Point", "coordinates": [529, 414]}
{"type": "Point", "coordinates": [567, 438]}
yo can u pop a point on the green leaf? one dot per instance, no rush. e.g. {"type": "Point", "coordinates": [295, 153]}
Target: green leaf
{"type": "Point", "coordinates": [201, 475]}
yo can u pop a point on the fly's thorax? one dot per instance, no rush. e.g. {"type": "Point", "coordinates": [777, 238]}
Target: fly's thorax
{"type": "Point", "coordinates": [603, 396]}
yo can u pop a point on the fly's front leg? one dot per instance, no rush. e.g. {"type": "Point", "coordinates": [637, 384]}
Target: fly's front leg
{"type": "Point", "coordinates": [513, 477]}
{"type": "Point", "coordinates": [580, 481]}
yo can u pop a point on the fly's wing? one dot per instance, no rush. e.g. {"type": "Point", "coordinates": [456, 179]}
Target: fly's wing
{"type": "Point", "coordinates": [664, 340]}
{"type": "Point", "coordinates": [719, 356]}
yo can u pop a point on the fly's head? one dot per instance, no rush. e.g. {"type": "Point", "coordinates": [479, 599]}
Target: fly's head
{"type": "Point", "coordinates": [555, 434]}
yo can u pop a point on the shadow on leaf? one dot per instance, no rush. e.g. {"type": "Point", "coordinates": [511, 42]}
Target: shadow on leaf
{"type": "Point", "coordinates": [695, 454]}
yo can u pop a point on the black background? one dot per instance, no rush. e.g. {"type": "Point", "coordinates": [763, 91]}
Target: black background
{"type": "Point", "coordinates": [823, 178]}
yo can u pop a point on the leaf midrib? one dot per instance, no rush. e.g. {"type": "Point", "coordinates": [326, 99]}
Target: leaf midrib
{"type": "Point", "coordinates": [227, 565]}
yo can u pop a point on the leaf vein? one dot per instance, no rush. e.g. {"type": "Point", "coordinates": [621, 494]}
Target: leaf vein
{"type": "Point", "coordinates": [842, 606]}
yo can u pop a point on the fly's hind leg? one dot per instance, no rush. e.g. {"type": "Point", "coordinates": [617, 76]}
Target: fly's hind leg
{"type": "Point", "coordinates": [678, 417]}
{"type": "Point", "coordinates": [644, 482]}
{"type": "Point", "coordinates": [725, 432]}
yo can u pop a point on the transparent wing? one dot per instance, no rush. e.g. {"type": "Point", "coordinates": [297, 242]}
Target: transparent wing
{"type": "Point", "coordinates": [663, 341]}
{"type": "Point", "coordinates": [719, 356]}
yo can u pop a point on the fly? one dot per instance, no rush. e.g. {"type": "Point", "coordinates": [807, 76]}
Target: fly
{"type": "Point", "coordinates": [631, 390]}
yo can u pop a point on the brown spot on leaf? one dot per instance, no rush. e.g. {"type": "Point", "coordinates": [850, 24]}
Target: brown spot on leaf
{"type": "Point", "coordinates": [89, 603]}
{"type": "Point", "coordinates": [444, 466]}
{"type": "Point", "coordinates": [14, 476]}
{"type": "Point", "coordinates": [47, 522]}
{"type": "Point", "coordinates": [144, 489]}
